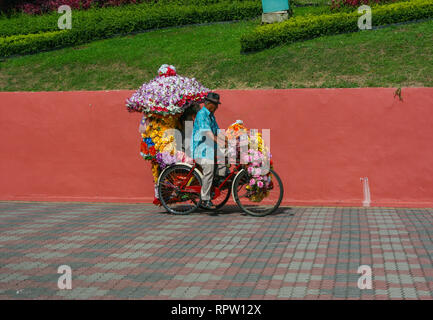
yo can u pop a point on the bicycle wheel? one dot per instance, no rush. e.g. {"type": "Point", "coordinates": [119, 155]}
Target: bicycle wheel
{"type": "Point", "coordinates": [267, 205]}
{"type": "Point", "coordinates": [172, 198]}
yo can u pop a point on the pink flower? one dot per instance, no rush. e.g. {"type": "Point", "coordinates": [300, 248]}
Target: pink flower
{"type": "Point", "coordinates": [260, 184]}
{"type": "Point", "coordinates": [257, 174]}
{"type": "Point", "coordinates": [252, 182]}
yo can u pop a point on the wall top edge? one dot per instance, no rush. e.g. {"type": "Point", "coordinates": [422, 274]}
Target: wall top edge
{"type": "Point", "coordinates": [232, 90]}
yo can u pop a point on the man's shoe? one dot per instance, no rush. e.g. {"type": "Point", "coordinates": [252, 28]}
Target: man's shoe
{"type": "Point", "coordinates": [207, 204]}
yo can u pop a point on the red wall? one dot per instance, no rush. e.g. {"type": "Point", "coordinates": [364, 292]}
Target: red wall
{"type": "Point", "coordinates": [84, 146]}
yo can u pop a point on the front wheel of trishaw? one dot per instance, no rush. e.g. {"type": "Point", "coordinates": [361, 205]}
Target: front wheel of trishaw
{"type": "Point", "coordinates": [170, 195]}
{"type": "Point", "coordinates": [243, 198]}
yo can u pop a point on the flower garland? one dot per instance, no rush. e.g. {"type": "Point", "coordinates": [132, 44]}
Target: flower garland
{"type": "Point", "coordinates": [155, 146]}
{"type": "Point", "coordinates": [257, 154]}
{"type": "Point", "coordinates": [260, 182]}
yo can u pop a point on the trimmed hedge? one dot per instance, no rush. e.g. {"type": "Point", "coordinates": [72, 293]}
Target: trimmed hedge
{"type": "Point", "coordinates": [45, 6]}
{"type": "Point", "coordinates": [154, 15]}
{"type": "Point", "coordinates": [103, 23]}
{"type": "Point", "coordinates": [308, 27]}
{"type": "Point", "coordinates": [30, 43]}
{"type": "Point", "coordinates": [336, 4]}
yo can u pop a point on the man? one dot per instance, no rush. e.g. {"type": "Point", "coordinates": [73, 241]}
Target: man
{"type": "Point", "coordinates": [204, 142]}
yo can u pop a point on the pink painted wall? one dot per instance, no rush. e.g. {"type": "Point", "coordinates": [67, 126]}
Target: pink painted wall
{"type": "Point", "coordinates": [84, 146]}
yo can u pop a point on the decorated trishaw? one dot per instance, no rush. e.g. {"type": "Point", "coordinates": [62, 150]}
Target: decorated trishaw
{"type": "Point", "coordinates": [177, 178]}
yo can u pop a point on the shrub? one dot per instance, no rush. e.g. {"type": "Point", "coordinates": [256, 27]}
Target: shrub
{"type": "Point", "coordinates": [308, 27]}
{"type": "Point", "coordinates": [348, 5]}
{"type": "Point", "coordinates": [102, 23]}
{"type": "Point", "coordinates": [43, 6]}
{"type": "Point", "coordinates": [30, 43]}
{"type": "Point", "coordinates": [26, 24]}
{"type": "Point", "coordinates": [33, 7]}
{"type": "Point", "coordinates": [338, 4]}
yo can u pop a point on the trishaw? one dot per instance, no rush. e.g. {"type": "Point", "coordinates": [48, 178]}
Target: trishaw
{"type": "Point", "coordinates": [179, 190]}
{"type": "Point", "coordinates": [163, 102]}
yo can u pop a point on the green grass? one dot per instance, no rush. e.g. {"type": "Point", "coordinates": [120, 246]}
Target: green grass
{"type": "Point", "coordinates": [389, 57]}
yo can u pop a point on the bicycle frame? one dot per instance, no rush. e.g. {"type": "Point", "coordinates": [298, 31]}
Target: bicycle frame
{"type": "Point", "coordinates": [197, 189]}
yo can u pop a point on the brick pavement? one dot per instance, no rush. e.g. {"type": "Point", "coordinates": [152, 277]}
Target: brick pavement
{"type": "Point", "coordinates": [136, 251]}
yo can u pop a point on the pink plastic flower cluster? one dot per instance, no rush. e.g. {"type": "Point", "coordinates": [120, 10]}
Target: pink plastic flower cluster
{"type": "Point", "coordinates": [166, 159]}
{"type": "Point", "coordinates": [256, 161]}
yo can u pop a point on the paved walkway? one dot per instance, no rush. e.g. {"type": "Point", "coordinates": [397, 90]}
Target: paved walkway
{"type": "Point", "coordinates": [121, 251]}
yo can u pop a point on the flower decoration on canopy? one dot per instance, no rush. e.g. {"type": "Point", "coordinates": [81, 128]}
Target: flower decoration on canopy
{"type": "Point", "coordinates": [167, 94]}
{"type": "Point", "coordinates": [166, 71]}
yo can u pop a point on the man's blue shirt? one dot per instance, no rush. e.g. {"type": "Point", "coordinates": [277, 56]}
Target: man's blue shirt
{"type": "Point", "coordinates": [202, 145]}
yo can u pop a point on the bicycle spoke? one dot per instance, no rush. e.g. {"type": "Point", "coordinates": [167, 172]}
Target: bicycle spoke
{"type": "Point", "coordinates": [172, 197]}
{"type": "Point", "coordinates": [253, 201]}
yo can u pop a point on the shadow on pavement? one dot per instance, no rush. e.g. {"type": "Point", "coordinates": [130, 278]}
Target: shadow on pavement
{"type": "Point", "coordinates": [231, 209]}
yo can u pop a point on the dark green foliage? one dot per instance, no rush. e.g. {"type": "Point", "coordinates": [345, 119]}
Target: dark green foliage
{"type": "Point", "coordinates": [308, 27]}
{"type": "Point", "coordinates": [37, 33]}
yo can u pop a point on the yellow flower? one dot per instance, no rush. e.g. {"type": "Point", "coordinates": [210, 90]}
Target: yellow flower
{"type": "Point", "coordinates": [155, 171]}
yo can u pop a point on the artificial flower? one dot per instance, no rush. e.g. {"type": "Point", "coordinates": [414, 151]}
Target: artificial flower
{"type": "Point", "coordinates": [167, 94]}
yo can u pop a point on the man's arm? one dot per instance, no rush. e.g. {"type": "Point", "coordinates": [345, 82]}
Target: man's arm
{"type": "Point", "coordinates": [206, 131]}
{"type": "Point", "coordinates": [216, 139]}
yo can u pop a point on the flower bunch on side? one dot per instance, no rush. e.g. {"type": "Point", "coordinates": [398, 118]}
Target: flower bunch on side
{"type": "Point", "coordinates": [236, 130]}
{"type": "Point", "coordinates": [165, 159]}
{"type": "Point", "coordinates": [157, 145]}
{"type": "Point", "coordinates": [255, 158]}
{"type": "Point", "coordinates": [260, 179]}
{"type": "Point", "coordinates": [182, 157]}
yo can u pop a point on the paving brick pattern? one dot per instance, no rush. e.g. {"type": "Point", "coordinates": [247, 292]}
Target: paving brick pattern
{"type": "Point", "coordinates": [135, 251]}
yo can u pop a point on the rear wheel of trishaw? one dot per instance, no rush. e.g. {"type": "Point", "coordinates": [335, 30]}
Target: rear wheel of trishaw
{"type": "Point", "coordinates": [243, 198]}
{"type": "Point", "coordinates": [173, 200]}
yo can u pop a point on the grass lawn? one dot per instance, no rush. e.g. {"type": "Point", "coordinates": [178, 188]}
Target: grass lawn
{"type": "Point", "coordinates": [390, 57]}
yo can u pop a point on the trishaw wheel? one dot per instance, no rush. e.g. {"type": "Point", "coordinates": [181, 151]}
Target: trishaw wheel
{"type": "Point", "coordinates": [171, 198]}
{"type": "Point", "coordinates": [267, 205]}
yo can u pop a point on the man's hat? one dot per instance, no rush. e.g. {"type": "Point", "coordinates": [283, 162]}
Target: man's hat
{"type": "Point", "coordinates": [213, 97]}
